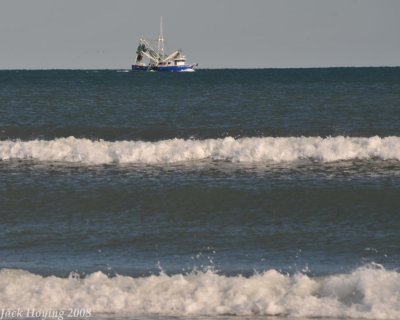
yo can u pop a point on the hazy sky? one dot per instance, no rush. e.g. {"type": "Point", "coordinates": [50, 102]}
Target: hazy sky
{"type": "Point", "coordinates": [86, 34]}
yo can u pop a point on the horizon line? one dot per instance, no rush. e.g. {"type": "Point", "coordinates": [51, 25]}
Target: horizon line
{"type": "Point", "coordinates": [198, 69]}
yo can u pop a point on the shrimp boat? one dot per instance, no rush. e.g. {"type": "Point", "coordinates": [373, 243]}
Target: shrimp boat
{"type": "Point", "coordinates": [151, 58]}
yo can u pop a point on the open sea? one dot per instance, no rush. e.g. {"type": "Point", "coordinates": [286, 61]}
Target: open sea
{"type": "Point", "coordinates": [219, 194]}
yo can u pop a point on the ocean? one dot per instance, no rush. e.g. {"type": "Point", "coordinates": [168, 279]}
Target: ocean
{"type": "Point", "coordinates": [219, 194]}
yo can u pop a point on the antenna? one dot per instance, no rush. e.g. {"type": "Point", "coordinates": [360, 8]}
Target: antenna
{"type": "Point", "coordinates": [161, 40]}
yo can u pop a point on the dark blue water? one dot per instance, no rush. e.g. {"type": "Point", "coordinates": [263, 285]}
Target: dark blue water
{"type": "Point", "coordinates": [236, 171]}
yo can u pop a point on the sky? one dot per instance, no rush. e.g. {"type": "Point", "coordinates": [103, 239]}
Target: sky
{"type": "Point", "coordinates": [103, 34]}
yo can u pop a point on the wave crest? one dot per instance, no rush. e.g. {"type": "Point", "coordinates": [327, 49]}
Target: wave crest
{"type": "Point", "coordinates": [367, 292]}
{"type": "Point", "coordinates": [243, 150]}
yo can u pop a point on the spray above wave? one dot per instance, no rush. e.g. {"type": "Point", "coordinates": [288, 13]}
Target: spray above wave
{"type": "Point", "coordinates": [368, 292]}
{"type": "Point", "coordinates": [245, 150]}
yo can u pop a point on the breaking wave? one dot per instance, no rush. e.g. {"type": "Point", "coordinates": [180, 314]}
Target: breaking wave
{"type": "Point", "coordinates": [244, 150]}
{"type": "Point", "coordinates": [368, 292]}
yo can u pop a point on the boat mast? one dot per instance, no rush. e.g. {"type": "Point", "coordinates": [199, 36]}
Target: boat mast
{"type": "Point", "coordinates": [160, 47]}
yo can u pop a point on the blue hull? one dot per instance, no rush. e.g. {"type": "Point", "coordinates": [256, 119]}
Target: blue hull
{"type": "Point", "coordinates": [163, 68]}
{"type": "Point", "coordinates": [174, 68]}
{"type": "Point", "coordinates": [140, 68]}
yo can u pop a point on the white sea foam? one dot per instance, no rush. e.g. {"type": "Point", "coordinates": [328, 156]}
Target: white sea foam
{"type": "Point", "coordinates": [252, 150]}
{"type": "Point", "coordinates": [367, 292]}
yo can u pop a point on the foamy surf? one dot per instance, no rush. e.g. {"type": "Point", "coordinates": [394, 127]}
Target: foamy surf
{"type": "Point", "coordinates": [242, 150]}
{"type": "Point", "coordinates": [368, 292]}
